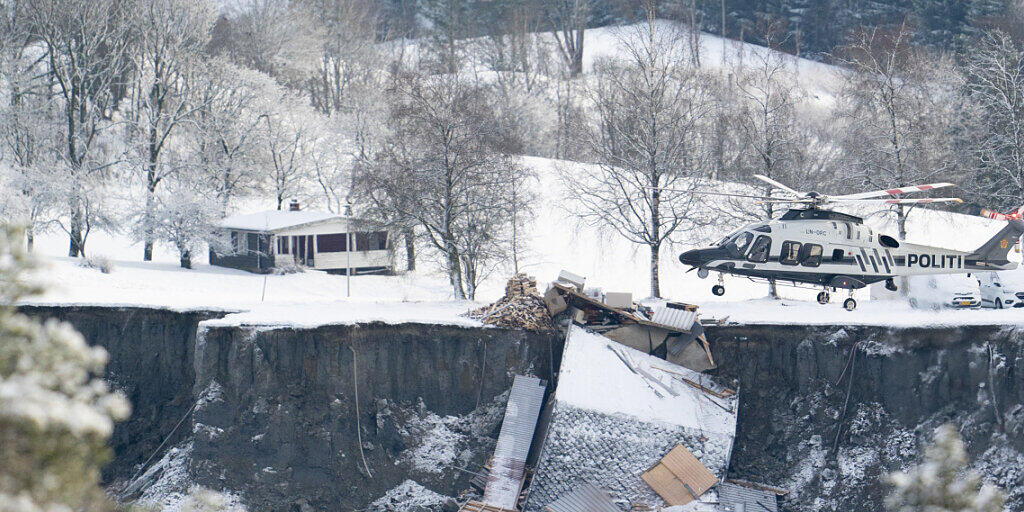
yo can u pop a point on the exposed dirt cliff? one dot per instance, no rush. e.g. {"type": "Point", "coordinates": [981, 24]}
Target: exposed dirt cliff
{"type": "Point", "coordinates": [275, 418]}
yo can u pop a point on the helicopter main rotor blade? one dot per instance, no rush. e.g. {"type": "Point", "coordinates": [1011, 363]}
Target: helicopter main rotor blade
{"type": "Point", "coordinates": [894, 191]}
{"type": "Point", "coordinates": [709, 193]}
{"type": "Point", "coordinates": [898, 201]}
{"type": "Point", "coordinates": [779, 186]}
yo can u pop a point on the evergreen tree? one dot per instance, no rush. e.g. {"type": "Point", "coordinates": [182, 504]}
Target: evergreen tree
{"type": "Point", "coordinates": [941, 483]}
{"type": "Point", "coordinates": [56, 413]}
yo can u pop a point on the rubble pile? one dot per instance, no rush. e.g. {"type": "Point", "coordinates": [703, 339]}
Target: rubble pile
{"type": "Point", "coordinates": [522, 307]}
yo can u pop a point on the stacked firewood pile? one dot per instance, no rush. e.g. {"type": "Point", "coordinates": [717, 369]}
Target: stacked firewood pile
{"type": "Point", "coordinates": [522, 307]}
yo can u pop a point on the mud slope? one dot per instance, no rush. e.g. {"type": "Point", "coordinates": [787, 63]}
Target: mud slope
{"type": "Point", "coordinates": [798, 430]}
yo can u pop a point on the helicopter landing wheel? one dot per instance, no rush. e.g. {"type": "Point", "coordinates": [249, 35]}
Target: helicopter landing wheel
{"type": "Point", "coordinates": [849, 304]}
{"type": "Point", "coordinates": [823, 298]}
{"type": "Point", "coordinates": [718, 290]}
{"type": "Point", "coordinates": [702, 273]}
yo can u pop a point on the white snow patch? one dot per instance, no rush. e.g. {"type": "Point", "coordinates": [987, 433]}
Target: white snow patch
{"type": "Point", "coordinates": [439, 447]}
{"type": "Point", "coordinates": [272, 220]}
{"type": "Point", "coordinates": [408, 496]}
{"type": "Point", "coordinates": [348, 313]}
{"type": "Point", "coordinates": [594, 378]}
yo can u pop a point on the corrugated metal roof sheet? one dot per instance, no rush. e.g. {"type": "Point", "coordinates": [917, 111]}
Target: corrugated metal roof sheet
{"type": "Point", "coordinates": [514, 440]}
{"type": "Point", "coordinates": [584, 498]}
{"type": "Point", "coordinates": [679, 478]}
{"type": "Point", "coordinates": [673, 317]}
{"type": "Point", "coordinates": [756, 500]}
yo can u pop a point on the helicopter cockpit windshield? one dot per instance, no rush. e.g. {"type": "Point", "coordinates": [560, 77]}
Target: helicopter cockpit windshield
{"type": "Point", "coordinates": [738, 243]}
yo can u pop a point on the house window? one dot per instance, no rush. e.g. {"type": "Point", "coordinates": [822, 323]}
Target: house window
{"type": "Point", "coordinates": [375, 241]}
{"type": "Point", "coordinates": [282, 245]}
{"type": "Point", "coordinates": [790, 253]}
{"type": "Point", "coordinates": [810, 255]}
{"type": "Point", "coordinates": [236, 242]}
{"type": "Point", "coordinates": [334, 242]}
{"type": "Point", "coordinates": [759, 252]}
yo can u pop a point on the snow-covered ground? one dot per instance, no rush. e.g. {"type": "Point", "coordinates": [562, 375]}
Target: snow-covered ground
{"type": "Point", "coordinates": [554, 242]}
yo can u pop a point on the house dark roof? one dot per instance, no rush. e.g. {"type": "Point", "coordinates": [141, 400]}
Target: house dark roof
{"type": "Point", "coordinates": [609, 425]}
{"type": "Point", "coordinates": [756, 500]}
{"type": "Point", "coordinates": [584, 498]}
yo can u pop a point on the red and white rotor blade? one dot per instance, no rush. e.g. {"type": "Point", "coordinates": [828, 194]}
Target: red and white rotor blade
{"type": "Point", "coordinates": [925, 200]}
{"type": "Point", "coordinates": [1002, 216]}
{"type": "Point", "coordinates": [895, 191]}
{"type": "Point", "coordinates": [778, 185]}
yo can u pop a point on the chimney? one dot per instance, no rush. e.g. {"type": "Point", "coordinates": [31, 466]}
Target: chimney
{"type": "Point", "coordinates": [294, 205]}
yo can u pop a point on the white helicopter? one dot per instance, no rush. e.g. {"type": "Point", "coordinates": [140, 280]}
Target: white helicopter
{"type": "Point", "coordinates": [834, 250]}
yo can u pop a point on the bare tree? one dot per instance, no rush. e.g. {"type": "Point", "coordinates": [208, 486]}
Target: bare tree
{"type": "Point", "coordinates": [347, 53]}
{"type": "Point", "coordinates": [899, 113]}
{"type": "Point", "coordinates": [276, 37]}
{"type": "Point", "coordinates": [226, 134]}
{"type": "Point", "coordinates": [767, 125]}
{"type": "Point", "coordinates": [27, 131]}
{"type": "Point", "coordinates": [995, 81]}
{"type": "Point", "coordinates": [289, 137]}
{"type": "Point", "coordinates": [439, 167]}
{"type": "Point", "coordinates": [568, 20]}
{"type": "Point", "coordinates": [450, 23]}
{"type": "Point", "coordinates": [87, 45]}
{"type": "Point", "coordinates": [648, 141]}
{"type": "Point", "coordinates": [171, 36]}
{"type": "Point", "coordinates": [519, 200]}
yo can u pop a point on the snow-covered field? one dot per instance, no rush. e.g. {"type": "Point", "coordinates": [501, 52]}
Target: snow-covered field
{"type": "Point", "coordinates": [554, 242]}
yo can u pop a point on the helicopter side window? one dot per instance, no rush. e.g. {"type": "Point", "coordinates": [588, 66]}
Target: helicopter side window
{"type": "Point", "coordinates": [761, 248]}
{"type": "Point", "coordinates": [790, 253]}
{"type": "Point", "coordinates": [810, 255]}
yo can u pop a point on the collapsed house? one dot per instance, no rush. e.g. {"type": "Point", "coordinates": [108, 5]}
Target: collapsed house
{"type": "Point", "coordinates": [615, 416]}
{"type": "Point", "coordinates": [670, 330]}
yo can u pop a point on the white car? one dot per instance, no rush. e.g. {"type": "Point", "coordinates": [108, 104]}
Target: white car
{"type": "Point", "coordinates": [1002, 289]}
{"type": "Point", "coordinates": [935, 292]}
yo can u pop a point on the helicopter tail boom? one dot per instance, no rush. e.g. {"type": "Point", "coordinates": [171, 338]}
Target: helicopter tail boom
{"type": "Point", "coordinates": [996, 249]}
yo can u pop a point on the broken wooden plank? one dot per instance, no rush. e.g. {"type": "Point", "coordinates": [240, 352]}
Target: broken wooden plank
{"type": "Point", "coordinates": [679, 477]}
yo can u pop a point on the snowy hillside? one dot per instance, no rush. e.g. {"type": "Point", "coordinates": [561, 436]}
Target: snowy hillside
{"type": "Point", "coordinates": [552, 242]}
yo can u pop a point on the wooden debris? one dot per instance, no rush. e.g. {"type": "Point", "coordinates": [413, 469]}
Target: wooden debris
{"type": "Point", "coordinates": [679, 477]}
{"type": "Point", "coordinates": [522, 307]}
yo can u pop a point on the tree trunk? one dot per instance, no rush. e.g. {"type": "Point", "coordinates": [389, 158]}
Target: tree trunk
{"type": "Point", "coordinates": [76, 244]}
{"type": "Point", "coordinates": [410, 248]}
{"type": "Point", "coordinates": [147, 226]}
{"type": "Point", "coordinates": [186, 259]}
{"type": "Point", "coordinates": [30, 238]}
{"type": "Point", "coordinates": [773, 288]}
{"type": "Point", "coordinates": [455, 274]}
{"type": "Point", "coordinates": [655, 271]}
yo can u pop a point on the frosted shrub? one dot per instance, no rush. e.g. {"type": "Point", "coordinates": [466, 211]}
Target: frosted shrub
{"type": "Point", "coordinates": [201, 499]}
{"type": "Point", "coordinates": [942, 482]}
{"type": "Point", "coordinates": [56, 413]}
{"type": "Point", "coordinates": [101, 263]}
{"type": "Point", "coordinates": [288, 268]}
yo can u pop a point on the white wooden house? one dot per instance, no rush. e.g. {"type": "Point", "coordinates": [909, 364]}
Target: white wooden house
{"type": "Point", "coordinates": [318, 240]}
